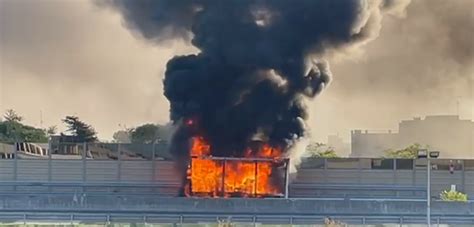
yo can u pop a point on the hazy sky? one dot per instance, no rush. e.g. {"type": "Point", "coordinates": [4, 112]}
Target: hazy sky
{"type": "Point", "coordinates": [73, 57]}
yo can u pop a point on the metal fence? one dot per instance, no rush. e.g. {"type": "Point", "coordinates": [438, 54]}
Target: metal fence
{"type": "Point", "coordinates": [150, 164]}
{"type": "Point", "coordinates": [236, 220]}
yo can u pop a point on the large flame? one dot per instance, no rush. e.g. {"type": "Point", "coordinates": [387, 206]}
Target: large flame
{"type": "Point", "coordinates": [223, 177]}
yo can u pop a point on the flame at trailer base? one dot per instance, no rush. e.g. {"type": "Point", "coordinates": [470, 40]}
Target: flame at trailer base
{"type": "Point", "coordinates": [255, 175]}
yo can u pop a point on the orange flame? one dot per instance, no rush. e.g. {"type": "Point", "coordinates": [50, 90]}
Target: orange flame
{"type": "Point", "coordinates": [221, 177]}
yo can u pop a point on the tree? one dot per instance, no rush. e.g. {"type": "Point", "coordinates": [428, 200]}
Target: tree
{"type": "Point", "coordinates": [147, 133]}
{"type": "Point", "coordinates": [410, 152]}
{"type": "Point", "coordinates": [320, 150]}
{"type": "Point", "coordinates": [51, 130]}
{"type": "Point", "coordinates": [12, 131]}
{"type": "Point", "coordinates": [122, 136]}
{"type": "Point", "coordinates": [82, 131]}
{"type": "Point", "coordinates": [11, 116]}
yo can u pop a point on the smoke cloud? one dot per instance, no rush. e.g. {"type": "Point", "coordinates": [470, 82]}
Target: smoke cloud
{"type": "Point", "coordinates": [257, 63]}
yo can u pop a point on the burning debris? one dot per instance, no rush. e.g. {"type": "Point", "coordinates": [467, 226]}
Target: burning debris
{"type": "Point", "coordinates": [258, 61]}
{"type": "Point", "coordinates": [257, 174]}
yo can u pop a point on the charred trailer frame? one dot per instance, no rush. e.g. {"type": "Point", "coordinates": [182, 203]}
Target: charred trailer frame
{"type": "Point", "coordinates": [280, 165]}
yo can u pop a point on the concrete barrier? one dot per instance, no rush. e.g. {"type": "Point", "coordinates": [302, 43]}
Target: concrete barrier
{"type": "Point", "coordinates": [231, 205]}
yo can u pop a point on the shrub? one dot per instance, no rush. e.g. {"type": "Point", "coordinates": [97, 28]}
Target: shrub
{"type": "Point", "coordinates": [453, 196]}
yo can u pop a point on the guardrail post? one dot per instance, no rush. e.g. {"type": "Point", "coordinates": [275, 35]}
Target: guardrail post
{"type": "Point", "coordinates": [325, 170]}
{"type": "Point", "coordinates": [84, 167]}
{"type": "Point", "coordinates": [401, 221]}
{"type": "Point", "coordinates": [463, 177]}
{"type": "Point", "coordinates": [359, 171]}
{"type": "Point", "coordinates": [119, 163]}
{"type": "Point", "coordinates": [50, 151]}
{"type": "Point", "coordinates": [153, 162]}
{"type": "Point", "coordinates": [394, 169]}
{"type": "Point", "coordinates": [15, 164]}
{"type": "Point", "coordinates": [414, 172]}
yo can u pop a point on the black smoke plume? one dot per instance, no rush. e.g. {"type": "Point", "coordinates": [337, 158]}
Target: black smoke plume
{"type": "Point", "coordinates": [258, 61]}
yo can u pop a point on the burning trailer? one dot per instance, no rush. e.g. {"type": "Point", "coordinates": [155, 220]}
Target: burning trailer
{"type": "Point", "coordinates": [260, 173]}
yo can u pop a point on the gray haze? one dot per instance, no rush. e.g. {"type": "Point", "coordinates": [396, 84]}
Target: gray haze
{"type": "Point", "coordinates": [72, 57]}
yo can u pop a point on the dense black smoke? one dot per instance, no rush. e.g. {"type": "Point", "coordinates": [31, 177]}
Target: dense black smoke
{"type": "Point", "coordinates": [258, 60]}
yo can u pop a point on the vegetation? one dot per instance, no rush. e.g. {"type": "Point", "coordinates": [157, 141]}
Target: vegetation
{"type": "Point", "coordinates": [410, 152]}
{"type": "Point", "coordinates": [225, 223]}
{"type": "Point", "coordinates": [147, 133]}
{"type": "Point", "coordinates": [52, 130]}
{"type": "Point", "coordinates": [11, 116]}
{"type": "Point", "coordinates": [320, 150]}
{"type": "Point", "coordinates": [329, 222]}
{"type": "Point", "coordinates": [453, 196]}
{"type": "Point", "coordinates": [12, 130]}
{"type": "Point", "coordinates": [122, 136]}
{"type": "Point", "coordinates": [82, 131]}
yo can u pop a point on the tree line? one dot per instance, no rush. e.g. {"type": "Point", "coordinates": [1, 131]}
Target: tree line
{"type": "Point", "coordinates": [13, 129]}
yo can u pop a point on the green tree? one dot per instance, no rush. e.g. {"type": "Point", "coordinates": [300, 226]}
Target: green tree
{"type": "Point", "coordinates": [82, 131]}
{"type": "Point", "coordinates": [11, 116]}
{"type": "Point", "coordinates": [147, 133]}
{"type": "Point", "coordinates": [410, 152]}
{"type": "Point", "coordinates": [320, 150]}
{"type": "Point", "coordinates": [12, 130]}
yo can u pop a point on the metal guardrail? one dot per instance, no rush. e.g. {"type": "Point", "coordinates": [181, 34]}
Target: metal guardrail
{"type": "Point", "coordinates": [201, 218]}
{"type": "Point", "coordinates": [151, 195]}
{"type": "Point", "coordinates": [297, 190]}
{"type": "Point", "coordinates": [357, 187]}
{"type": "Point", "coordinates": [86, 184]}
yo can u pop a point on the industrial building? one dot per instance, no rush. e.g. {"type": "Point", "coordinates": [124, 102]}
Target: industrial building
{"type": "Point", "coordinates": [449, 134]}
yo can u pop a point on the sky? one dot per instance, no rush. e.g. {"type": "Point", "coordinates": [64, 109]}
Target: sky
{"type": "Point", "coordinates": [77, 57]}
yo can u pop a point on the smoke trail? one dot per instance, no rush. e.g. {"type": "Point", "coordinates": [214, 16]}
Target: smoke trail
{"type": "Point", "coordinates": [254, 67]}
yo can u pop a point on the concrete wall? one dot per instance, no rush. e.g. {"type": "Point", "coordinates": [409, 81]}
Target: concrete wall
{"type": "Point", "coordinates": [240, 205]}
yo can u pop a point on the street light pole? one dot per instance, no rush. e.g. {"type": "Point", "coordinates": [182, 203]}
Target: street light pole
{"type": "Point", "coordinates": [423, 153]}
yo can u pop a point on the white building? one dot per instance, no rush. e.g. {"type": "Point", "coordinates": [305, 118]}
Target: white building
{"type": "Point", "coordinates": [449, 134]}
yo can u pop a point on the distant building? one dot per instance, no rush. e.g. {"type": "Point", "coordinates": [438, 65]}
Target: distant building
{"type": "Point", "coordinates": [449, 134]}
